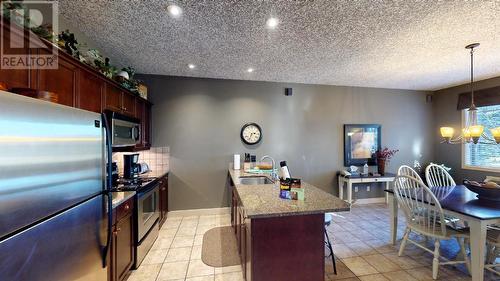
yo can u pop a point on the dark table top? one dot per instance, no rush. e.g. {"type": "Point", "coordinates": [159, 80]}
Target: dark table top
{"type": "Point", "coordinates": [461, 200]}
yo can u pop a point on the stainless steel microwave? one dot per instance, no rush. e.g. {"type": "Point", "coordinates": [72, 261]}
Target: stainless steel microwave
{"type": "Point", "coordinates": [125, 130]}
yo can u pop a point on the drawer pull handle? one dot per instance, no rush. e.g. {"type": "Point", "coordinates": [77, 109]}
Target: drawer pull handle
{"type": "Point", "coordinates": [127, 207]}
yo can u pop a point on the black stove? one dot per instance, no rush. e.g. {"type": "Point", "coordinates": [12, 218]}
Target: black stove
{"type": "Point", "coordinates": [136, 184]}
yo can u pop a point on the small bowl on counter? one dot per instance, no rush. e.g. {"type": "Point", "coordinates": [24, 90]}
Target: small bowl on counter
{"type": "Point", "coordinates": [485, 190]}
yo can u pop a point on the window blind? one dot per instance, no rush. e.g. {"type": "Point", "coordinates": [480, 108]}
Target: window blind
{"type": "Point", "coordinates": [484, 97]}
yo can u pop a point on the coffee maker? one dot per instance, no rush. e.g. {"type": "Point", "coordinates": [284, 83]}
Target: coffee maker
{"type": "Point", "coordinates": [131, 167]}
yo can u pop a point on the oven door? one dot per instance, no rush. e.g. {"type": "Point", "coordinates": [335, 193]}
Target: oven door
{"type": "Point", "coordinates": [148, 209]}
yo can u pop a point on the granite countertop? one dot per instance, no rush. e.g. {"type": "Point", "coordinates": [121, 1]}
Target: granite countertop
{"type": "Point", "coordinates": [121, 196]}
{"type": "Point", "coordinates": [154, 174]}
{"type": "Point", "coordinates": [263, 200]}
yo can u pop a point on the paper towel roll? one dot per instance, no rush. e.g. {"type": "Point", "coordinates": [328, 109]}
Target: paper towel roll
{"type": "Point", "coordinates": [236, 161]}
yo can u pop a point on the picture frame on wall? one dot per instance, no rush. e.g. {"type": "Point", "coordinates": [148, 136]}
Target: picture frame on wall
{"type": "Point", "coordinates": [360, 143]}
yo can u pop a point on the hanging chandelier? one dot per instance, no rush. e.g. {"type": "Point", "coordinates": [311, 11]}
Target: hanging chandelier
{"type": "Point", "coordinates": [472, 132]}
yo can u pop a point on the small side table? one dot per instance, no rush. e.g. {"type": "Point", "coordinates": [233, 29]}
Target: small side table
{"type": "Point", "coordinates": [349, 180]}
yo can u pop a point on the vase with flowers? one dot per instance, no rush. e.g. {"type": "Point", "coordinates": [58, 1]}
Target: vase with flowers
{"type": "Point", "coordinates": [383, 156]}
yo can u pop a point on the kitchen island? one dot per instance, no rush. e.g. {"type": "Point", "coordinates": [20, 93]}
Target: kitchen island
{"type": "Point", "coordinates": [280, 239]}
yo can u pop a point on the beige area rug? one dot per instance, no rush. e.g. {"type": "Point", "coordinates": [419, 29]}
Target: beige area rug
{"type": "Point", "coordinates": [219, 247]}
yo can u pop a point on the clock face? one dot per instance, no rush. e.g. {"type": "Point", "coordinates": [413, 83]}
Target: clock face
{"type": "Point", "coordinates": [251, 133]}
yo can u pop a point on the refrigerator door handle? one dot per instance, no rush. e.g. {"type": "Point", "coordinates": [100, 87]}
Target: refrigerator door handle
{"type": "Point", "coordinates": [107, 189]}
{"type": "Point", "coordinates": [109, 152]}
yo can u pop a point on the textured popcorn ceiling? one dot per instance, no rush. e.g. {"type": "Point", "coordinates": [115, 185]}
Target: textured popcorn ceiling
{"type": "Point", "coordinates": [372, 43]}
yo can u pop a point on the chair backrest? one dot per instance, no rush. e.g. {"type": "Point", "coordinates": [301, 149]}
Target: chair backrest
{"type": "Point", "coordinates": [420, 206]}
{"type": "Point", "coordinates": [406, 170]}
{"type": "Point", "coordinates": [436, 175]}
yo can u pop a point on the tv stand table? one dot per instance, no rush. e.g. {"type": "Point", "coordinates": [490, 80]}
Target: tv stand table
{"type": "Point", "coordinates": [350, 180]}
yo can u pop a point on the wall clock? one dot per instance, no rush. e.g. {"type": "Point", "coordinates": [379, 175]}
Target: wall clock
{"type": "Point", "coordinates": [251, 133]}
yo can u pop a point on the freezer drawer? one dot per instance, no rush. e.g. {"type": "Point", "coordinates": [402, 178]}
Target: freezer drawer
{"type": "Point", "coordinates": [65, 247]}
{"type": "Point", "coordinates": [51, 159]}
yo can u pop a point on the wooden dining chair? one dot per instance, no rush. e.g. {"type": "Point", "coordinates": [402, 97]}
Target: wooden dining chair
{"type": "Point", "coordinates": [424, 215]}
{"type": "Point", "coordinates": [437, 175]}
{"type": "Point", "coordinates": [493, 249]}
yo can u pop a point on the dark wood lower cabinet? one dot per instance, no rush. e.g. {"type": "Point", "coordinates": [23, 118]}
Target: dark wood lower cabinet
{"type": "Point", "coordinates": [280, 248]}
{"type": "Point", "coordinates": [122, 250]}
{"type": "Point", "coordinates": [163, 199]}
{"type": "Point", "coordinates": [234, 207]}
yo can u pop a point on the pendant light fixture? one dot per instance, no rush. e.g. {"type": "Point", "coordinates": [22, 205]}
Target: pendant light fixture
{"type": "Point", "coordinates": [472, 132]}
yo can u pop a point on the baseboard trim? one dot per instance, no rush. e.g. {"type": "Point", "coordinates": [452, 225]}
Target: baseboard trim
{"type": "Point", "coordinates": [199, 212]}
{"type": "Point", "coordinates": [364, 201]}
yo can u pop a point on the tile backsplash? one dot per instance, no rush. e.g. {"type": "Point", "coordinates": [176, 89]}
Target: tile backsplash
{"type": "Point", "coordinates": [157, 159]}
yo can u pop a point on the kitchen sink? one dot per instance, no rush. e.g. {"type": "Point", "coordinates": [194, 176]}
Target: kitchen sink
{"type": "Point", "coordinates": [255, 180]}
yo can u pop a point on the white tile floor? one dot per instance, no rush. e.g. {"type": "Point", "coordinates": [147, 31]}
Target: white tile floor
{"type": "Point", "coordinates": [360, 240]}
{"type": "Point", "coordinates": [176, 255]}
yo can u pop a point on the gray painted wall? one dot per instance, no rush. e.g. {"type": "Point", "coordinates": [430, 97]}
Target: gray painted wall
{"type": "Point", "coordinates": [200, 119]}
{"type": "Point", "coordinates": [446, 114]}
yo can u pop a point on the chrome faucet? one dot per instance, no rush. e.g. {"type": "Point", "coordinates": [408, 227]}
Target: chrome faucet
{"type": "Point", "coordinates": [274, 175]}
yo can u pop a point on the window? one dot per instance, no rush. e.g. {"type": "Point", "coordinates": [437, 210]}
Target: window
{"type": "Point", "coordinates": [483, 156]}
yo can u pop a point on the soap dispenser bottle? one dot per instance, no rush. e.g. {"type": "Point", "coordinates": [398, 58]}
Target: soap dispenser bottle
{"type": "Point", "coordinates": [285, 173]}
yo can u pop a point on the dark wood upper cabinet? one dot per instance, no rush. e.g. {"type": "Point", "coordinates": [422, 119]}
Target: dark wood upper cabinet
{"type": "Point", "coordinates": [143, 113]}
{"type": "Point", "coordinates": [139, 114]}
{"type": "Point", "coordinates": [139, 108]}
{"type": "Point", "coordinates": [14, 78]}
{"type": "Point", "coordinates": [113, 98]}
{"type": "Point", "coordinates": [61, 81]}
{"type": "Point", "coordinates": [90, 91]}
{"type": "Point", "coordinates": [128, 104]}
{"type": "Point", "coordinates": [75, 83]}
{"type": "Point", "coordinates": [118, 100]}
{"type": "Point", "coordinates": [146, 124]}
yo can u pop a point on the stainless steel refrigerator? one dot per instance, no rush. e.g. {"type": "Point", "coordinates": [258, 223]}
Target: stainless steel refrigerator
{"type": "Point", "coordinates": [54, 223]}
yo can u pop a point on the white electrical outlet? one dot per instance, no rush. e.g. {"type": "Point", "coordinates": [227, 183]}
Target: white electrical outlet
{"type": "Point", "coordinates": [368, 188]}
{"type": "Point", "coordinates": [355, 189]}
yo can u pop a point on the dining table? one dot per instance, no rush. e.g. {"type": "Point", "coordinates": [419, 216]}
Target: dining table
{"type": "Point", "coordinates": [459, 202]}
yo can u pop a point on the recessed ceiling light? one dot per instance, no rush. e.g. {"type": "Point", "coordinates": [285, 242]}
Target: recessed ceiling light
{"type": "Point", "coordinates": [250, 70]}
{"type": "Point", "coordinates": [174, 10]}
{"type": "Point", "coordinates": [191, 66]}
{"type": "Point", "coordinates": [272, 22]}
